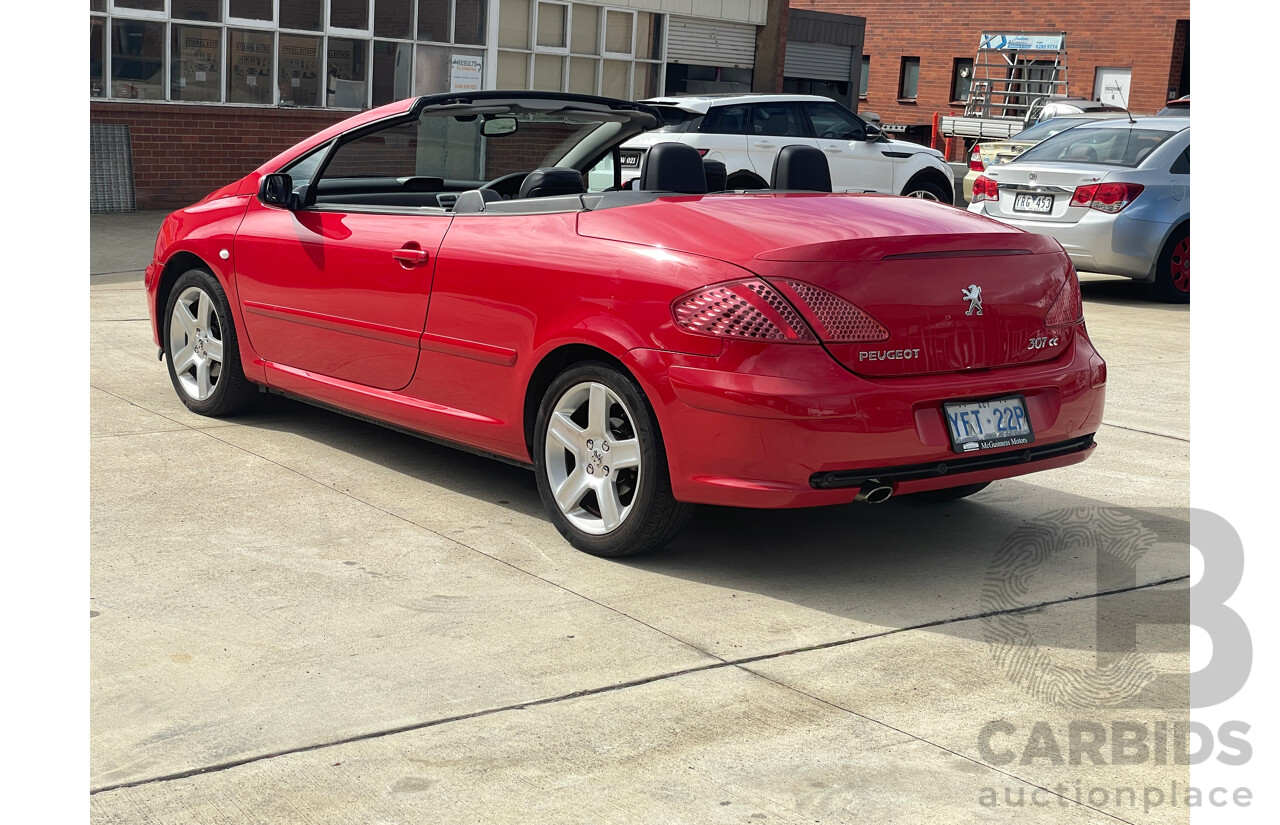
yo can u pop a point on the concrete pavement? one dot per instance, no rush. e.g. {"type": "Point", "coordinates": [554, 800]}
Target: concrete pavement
{"type": "Point", "coordinates": [300, 617]}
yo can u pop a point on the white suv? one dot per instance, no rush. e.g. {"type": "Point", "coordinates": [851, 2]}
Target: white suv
{"type": "Point", "coordinates": [746, 131]}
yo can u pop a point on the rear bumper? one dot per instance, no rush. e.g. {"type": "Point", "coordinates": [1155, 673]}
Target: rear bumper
{"type": "Point", "coordinates": [773, 441]}
{"type": "Point", "coordinates": [1098, 242]}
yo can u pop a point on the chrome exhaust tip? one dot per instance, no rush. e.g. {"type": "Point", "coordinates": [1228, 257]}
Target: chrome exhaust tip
{"type": "Point", "coordinates": [874, 492]}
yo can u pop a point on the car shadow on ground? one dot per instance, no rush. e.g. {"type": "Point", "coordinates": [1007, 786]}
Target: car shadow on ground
{"type": "Point", "coordinates": [1122, 291]}
{"type": "Point", "coordinates": [900, 564]}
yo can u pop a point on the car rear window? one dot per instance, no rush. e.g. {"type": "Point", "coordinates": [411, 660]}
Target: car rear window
{"type": "Point", "coordinates": [675, 119]}
{"type": "Point", "coordinates": [1098, 146]}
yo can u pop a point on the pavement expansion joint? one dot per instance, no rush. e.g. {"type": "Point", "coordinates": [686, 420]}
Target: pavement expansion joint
{"type": "Point", "coordinates": [1147, 432]}
{"type": "Point", "coordinates": [719, 664]}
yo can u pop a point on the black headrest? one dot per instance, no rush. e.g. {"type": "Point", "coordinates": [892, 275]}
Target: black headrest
{"type": "Point", "coordinates": [552, 180]}
{"type": "Point", "coordinates": [717, 174]}
{"type": "Point", "coordinates": [673, 167]}
{"type": "Point", "coordinates": [801, 167]}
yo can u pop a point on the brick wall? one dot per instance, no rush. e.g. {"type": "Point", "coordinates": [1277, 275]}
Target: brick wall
{"type": "Point", "coordinates": [182, 153]}
{"type": "Point", "coordinates": [1119, 33]}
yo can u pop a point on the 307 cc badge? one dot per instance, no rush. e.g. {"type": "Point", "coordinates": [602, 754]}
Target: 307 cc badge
{"type": "Point", "coordinates": [988, 425]}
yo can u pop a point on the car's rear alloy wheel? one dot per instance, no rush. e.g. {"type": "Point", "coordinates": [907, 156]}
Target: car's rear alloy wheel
{"type": "Point", "coordinates": [602, 471]}
{"type": "Point", "coordinates": [200, 345]}
{"type": "Point", "coordinates": [1173, 270]}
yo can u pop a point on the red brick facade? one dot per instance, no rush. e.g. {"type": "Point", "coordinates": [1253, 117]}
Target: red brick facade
{"type": "Point", "coordinates": [182, 153]}
{"type": "Point", "coordinates": [1141, 35]}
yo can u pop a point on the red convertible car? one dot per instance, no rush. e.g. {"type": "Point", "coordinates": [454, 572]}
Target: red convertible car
{"type": "Point", "coordinates": [470, 269]}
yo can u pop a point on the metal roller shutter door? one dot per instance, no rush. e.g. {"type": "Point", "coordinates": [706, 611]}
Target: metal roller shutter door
{"type": "Point", "coordinates": [711, 43]}
{"type": "Point", "coordinates": [818, 61]}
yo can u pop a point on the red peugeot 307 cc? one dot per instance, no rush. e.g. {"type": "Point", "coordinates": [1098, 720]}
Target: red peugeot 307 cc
{"type": "Point", "coordinates": [470, 269]}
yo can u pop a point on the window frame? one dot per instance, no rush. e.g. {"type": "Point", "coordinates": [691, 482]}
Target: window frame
{"type": "Point", "coordinates": [958, 63]}
{"type": "Point", "coordinates": [864, 80]}
{"type": "Point", "coordinates": [127, 11]}
{"type": "Point", "coordinates": [908, 61]}
{"type": "Point", "coordinates": [247, 22]}
{"type": "Point", "coordinates": [367, 32]}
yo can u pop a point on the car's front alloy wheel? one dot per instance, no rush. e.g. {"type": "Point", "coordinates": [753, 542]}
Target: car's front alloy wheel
{"type": "Point", "coordinates": [602, 473]}
{"type": "Point", "coordinates": [927, 191]}
{"type": "Point", "coordinates": [200, 345]}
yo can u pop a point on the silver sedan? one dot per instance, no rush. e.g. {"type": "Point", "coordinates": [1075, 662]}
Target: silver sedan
{"type": "Point", "coordinates": [1116, 194]}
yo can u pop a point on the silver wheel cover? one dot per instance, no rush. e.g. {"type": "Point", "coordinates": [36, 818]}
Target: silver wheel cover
{"type": "Point", "coordinates": [592, 457]}
{"type": "Point", "coordinates": [195, 343]}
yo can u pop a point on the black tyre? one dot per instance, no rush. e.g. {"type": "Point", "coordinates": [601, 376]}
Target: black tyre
{"type": "Point", "coordinates": [200, 347]}
{"type": "Point", "coordinates": [601, 466]}
{"type": "Point", "coordinates": [744, 180]}
{"type": "Point", "coordinates": [926, 190]}
{"type": "Point", "coordinates": [947, 493]}
{"type": "Point", "coordinates": [1173, 269]}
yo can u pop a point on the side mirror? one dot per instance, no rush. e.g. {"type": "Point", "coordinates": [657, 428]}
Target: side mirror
{"type": "Point", "coordinates": [497, 126]}
{"type": "Point", "coordinates": [277, 190]}
{"type": "Point", "coordinates": [873, 132]}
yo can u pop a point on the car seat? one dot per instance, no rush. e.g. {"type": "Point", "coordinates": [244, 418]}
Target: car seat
{"type": "Point", "coordinates": [801, 167]}
{"type": "Point", "coordinates": [552, 180]}
{"type": "Point", "coordinates": [673, 167]}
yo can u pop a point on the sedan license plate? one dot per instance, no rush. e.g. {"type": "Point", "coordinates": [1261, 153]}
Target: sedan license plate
{"type": "Point", "coordinates": [630, 160]}
{"type": "Point", "coordinates": [988, 425]}
{"type": "Point", "coordinates": [1039, 204]}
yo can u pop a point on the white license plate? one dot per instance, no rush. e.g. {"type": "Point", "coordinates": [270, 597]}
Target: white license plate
{"type": "Point", "coordinates": [988, 425]}
{"type": "Point", "coordinates": [1040, 204]}
{"type": "Point", "coordinates": [630, 160]}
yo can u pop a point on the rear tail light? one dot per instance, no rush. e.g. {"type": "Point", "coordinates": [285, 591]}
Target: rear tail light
{"type": "Point", "coordinates": [1067, 308]}
{"type": "Point", "coordinates": [832, 317]}
{"type": "Point", "coordinates": [985, 189]}
{"type": "Point", "coordinates": [749, 309]}
{"type": "Point", "coordinates": [975, 161]}
{"type": "Point", "coordinates": [1106, 197]}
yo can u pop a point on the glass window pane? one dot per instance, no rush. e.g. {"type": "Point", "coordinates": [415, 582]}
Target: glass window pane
{"type": "Point", "coordinates": [389, 153]}
{"type": "Point", "coordinates": [433, 20]}
{"type": "Point", "coordinates": [393, 18]}
{"type": "Point", "coordinates": [251, 9]}
{"type": "Point", "coordinates": [866, 73]}
{"type": "Point", "coordinates": [469, 22]}
{"type": "Point", "coordinates": [513, 70]}
{"type": "Point", "coordinates": [513, 25]}
{"type": "Point", "coordinates": [97, 5]}
{"type": "Point", "coordinates": [349, 14]}
{"type": "Point", "coordinates": [195, 71]}
{"type": "Point", "coordinates": [97, 87]}
{"type": "Point", "coordinates": [208, 11]}
{"type": "Point", "coordinates": [301, 14]}
{"type": "Point", "coordinates": [582, 75]}
{"type": "Point", "coordinates": [910, 77]}
{"type": "Point", "coordinates": [617, 32]}
{"type": "Point", "coordinates": [648, 36]}
{"type": "Point", "coordinates": [551, 25]}
{"type": "Point", "coordinates": [141, 5]}
{"type": "Point", "coordinates": [137, 60]}
{"type": "Point", "coordinates": [586, 29]}
{"type": "Point", "coordinates": [548, 72]}
{"type": "Point", "coordinates": [431, 74]}
{"type": "Point", "coordinates": [348, 71]}
{"type": "Point", "coordinates": [615, 82]}
{"type": "Point", "coordinates": [299, 70]}
{"type": "Point", "coordinates": [392, 71]}
{"type": "Point", "coordinates": [249, 75]}
{"type": "Point", "coordinates": [644, 84]}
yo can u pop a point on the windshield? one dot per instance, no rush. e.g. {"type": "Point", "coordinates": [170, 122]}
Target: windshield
{"type": "Point", "coordinates": [1097, 146]}
{"type": "Point", "coordinates": [452, 147]}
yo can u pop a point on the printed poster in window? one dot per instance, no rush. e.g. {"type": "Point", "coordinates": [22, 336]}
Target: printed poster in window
{"type": "Point", "coordinates": [466, 73]}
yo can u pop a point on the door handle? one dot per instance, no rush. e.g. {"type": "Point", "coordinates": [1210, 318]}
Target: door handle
{"type": "Point", "coordinates": [410, 255]}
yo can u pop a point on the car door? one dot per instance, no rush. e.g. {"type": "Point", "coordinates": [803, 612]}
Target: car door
{"type": "Point", "coordinates": [857, 165]}
{"type": "Point", "coordinates": [772, 126]}
{"type": "Point", "coordinates": [341, 287]}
